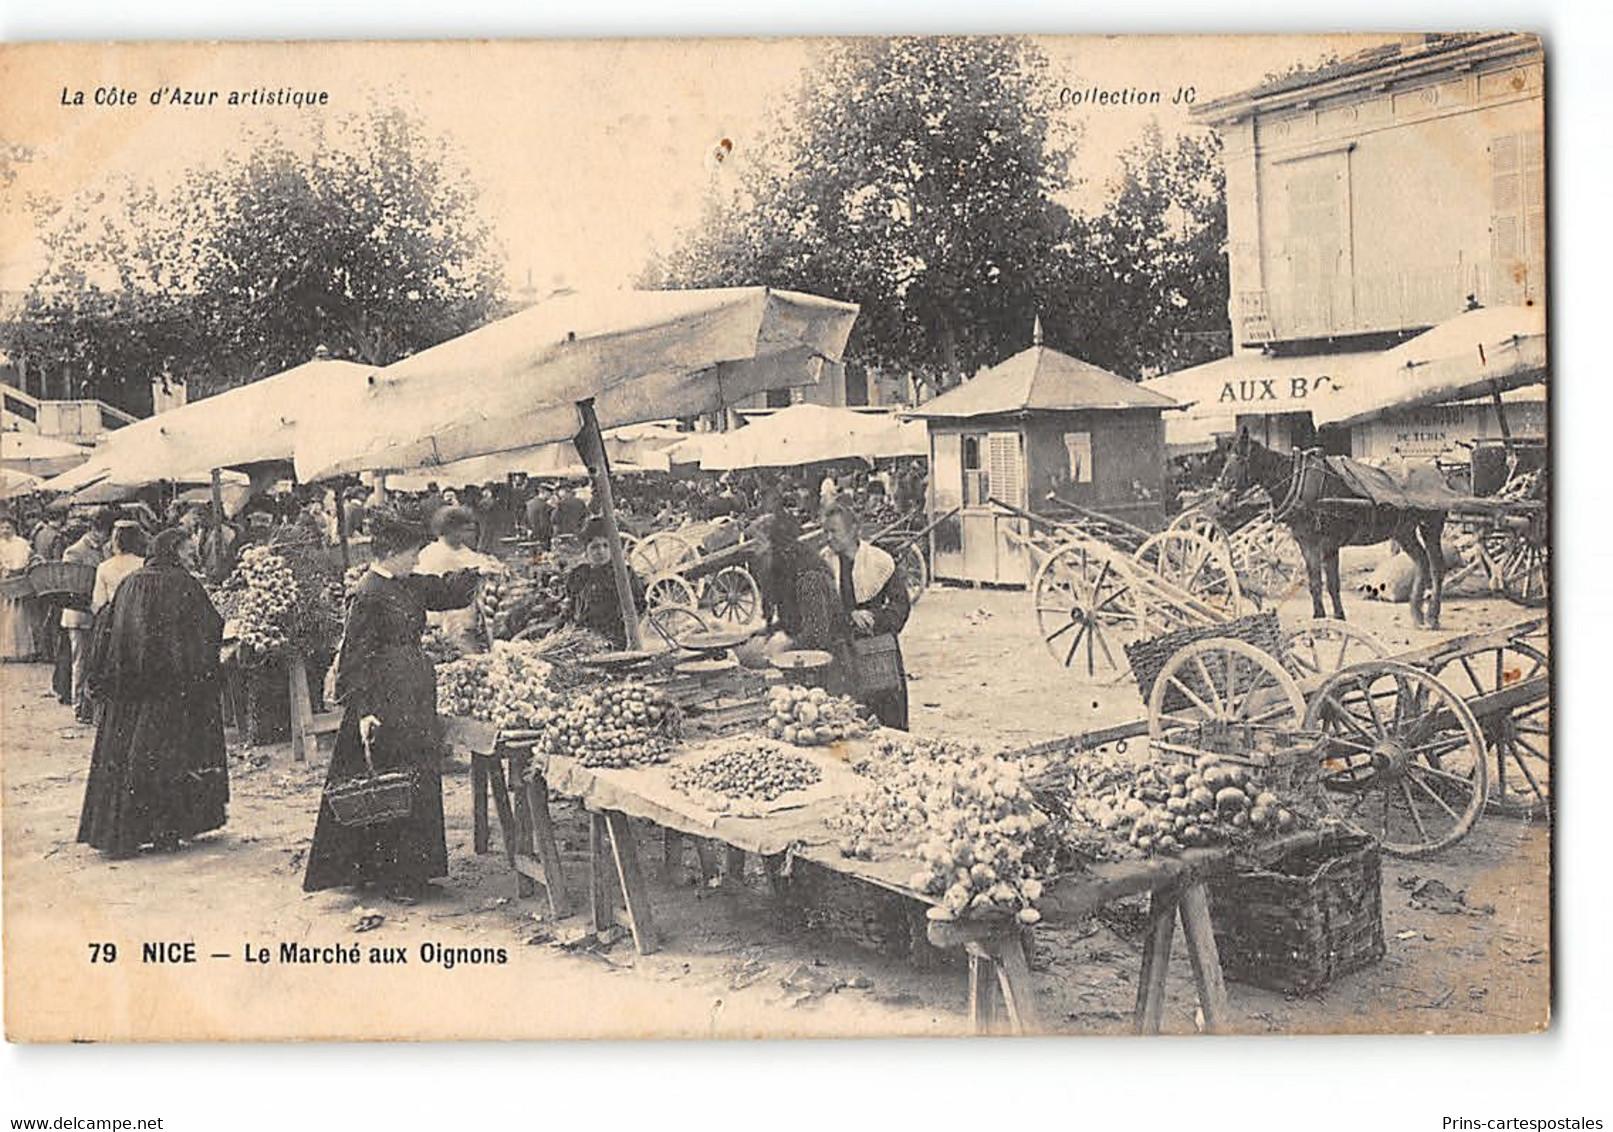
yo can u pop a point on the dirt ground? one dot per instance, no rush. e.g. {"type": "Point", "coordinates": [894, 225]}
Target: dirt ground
{"type": "Point", "coordinates": [729, 967]}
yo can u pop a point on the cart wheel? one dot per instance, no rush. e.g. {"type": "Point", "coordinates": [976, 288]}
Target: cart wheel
{"type": "Point", "coordinates": [915, 573]}
{"type": "Point", "coordinates": [1222, 680]}
{"type": "Point", "coordinates": [660, 553]}
{"type": "Point", "coordinates": [672, 623]}
{"type": "Point", "coordinates": [1201, 523]}
{"type": "Point", "coordinates": [1523, 564]}
{"type": "Point", "coordinates": [1517, 739]}
{"type": "Point", "coordinates": [1196, 564]}
{"type": "Point", "coordinates": [1403, 757]}
{"type": "Point", "coordinates": [1085, 607]}
{"type": "Point", "coordinates": [1318, 648]}
{"type": "Point", "coordinates": [1268, 562]}
{"type": "Point", "coordinates": [731, 594]}
{"type": "Point", "coordinates": [670, 589]}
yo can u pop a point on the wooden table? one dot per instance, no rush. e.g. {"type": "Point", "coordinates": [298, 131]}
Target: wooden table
{"type": "Point", "coordinates": [999, 974]}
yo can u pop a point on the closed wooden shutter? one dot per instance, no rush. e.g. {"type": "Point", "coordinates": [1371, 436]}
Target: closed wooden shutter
{"type": "Point", "coordinates": [1518, 217]}
{"type": "Point", "coordinates": [1006, 468]}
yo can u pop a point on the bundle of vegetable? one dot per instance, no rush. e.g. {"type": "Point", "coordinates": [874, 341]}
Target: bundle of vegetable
{"type": "Point", "coordinates": [268, 597]}
{"type": "Point", "coordinates": [1166, 807]}
{"type": "Point", "coordinates": [519, 681]}
{"type": "Point", "coordinates": [978, 857]}
{"type": "Point", "coordinates": [969, 813]}
{"type": "Point", "coordinates": [439, 646]}
{"type": "Point", "coordinates": [761, 771]}
{"type": "Point", "coordinates": [464, 690]}
{"type": "Point", "coordinates": [506, 604]}
{"type": "Point", "coordinates": [810, 717]}
{"type": "Point", "coordinates": [571, 643]}
{"type": "Point", "coordinates": [614, 725]}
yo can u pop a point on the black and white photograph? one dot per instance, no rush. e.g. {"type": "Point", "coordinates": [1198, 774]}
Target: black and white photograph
{"type": "Point", "coordinates": [861, 537]}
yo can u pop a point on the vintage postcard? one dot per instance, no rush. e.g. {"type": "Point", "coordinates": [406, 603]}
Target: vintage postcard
{"type": "Point", "coordinates": [775, 538]}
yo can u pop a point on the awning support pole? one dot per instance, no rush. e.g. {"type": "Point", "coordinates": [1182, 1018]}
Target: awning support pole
{"type": "Point", "coordinates": [215, 562]}
{"type": "Point", "coordinates": [341, 528]}
{"type": "Point", "coordinates": [593, 454]}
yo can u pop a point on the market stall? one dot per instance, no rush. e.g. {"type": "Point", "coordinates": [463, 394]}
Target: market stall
{"type": "Point", "coordinates": [807, 434]}
{"type": "Point", "coordinates": [965, 847]}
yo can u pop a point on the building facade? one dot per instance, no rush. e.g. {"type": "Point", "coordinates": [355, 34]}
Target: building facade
{"type": "Point", "coordinates": [1369, 200]}
{"type": "Point", "coordinates": [1388, 192]}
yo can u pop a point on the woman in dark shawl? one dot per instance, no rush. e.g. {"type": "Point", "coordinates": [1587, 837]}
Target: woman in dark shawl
{"type": "Point", "coordinates": [158, 772]}
{"type": "Point", "coordinates": [388, 690]}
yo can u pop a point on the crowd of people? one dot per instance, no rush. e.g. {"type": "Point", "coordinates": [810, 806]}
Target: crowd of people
{"type": "Point", "coordinates": [138, 656]}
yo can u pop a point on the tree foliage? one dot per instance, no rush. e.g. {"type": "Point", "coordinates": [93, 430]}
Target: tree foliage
{"type": "Point", "coordinates": [366, 239]}
{"type": "Point", "coordinates": [1146, 286]}
{"type": "Point", "coordinates": [916, 177]}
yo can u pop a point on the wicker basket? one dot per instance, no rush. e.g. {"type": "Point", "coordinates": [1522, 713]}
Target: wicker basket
{"type": "Point", "coordinates": [1305, 920]}
{"type": "Point", "coordinates": [64, 579]}
{"type": "Point", "coordinates": [16, 588]}
{"type": "Point", "coordinates": [1148, 656]}
{"type": "Point", "coordinates": [374, 798]}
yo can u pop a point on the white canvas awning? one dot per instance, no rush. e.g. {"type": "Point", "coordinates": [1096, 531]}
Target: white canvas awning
{"type": "Point", "coordinates": [639, 355]}
{"type": "Point", "coordinates": [808, 434]}
{"type": "Point", "coordinates": [1472, 355]}
{"type": "Point", "coordinates": [246, 425]}
{"type": "Point", "coordinates": [36, 455]}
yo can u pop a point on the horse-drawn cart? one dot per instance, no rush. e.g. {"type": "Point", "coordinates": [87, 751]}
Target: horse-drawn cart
{"type": "Point", "coordinates": [1100, 582]}
{"type": "Point", "coordinates": [1412, 747]}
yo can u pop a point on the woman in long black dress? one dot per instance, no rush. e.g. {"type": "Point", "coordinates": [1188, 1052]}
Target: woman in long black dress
{"type": "Point", "coordinates": [158, 773]}
{"type": "Point", "coordinates": [388, 690]}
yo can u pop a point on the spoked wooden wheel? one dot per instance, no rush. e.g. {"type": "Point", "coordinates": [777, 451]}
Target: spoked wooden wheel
{"type": "Point", "coordinates": [671, 623]}
{"type": "Point", "coordinates": [1194, 563]}
{"type": "Point", "coordinates": [1222, 680]}
{"type": "Point", "coordinates": [1201, 523]}
{"type": "Point", "coordinates": [1268, 561]}
{"type": "Point", "coordinates": [1512, 686]}
{"type": "Point", "coordinates": [914, 571]}
{"type": "Point", "coordinates": [1403, 757]}
{"type": "Point", "coordinates": [1523, 564]}
{"type": "Point", "coordinates": [669, 589]}
{"type": "Point", "coordinates": [1086, 609]}
{"type": "Point", "coordinates": [1320, 647]}
{"type": "Point", "coordinates": [660, 553]}
{"type": "Point", "coordinates": [731, 594]}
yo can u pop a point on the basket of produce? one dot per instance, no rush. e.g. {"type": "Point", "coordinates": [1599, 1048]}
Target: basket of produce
{"type": "Point", "coordinates": [1148, 656]}
{"type": "Point", "coordinates": [62, 579]}
{"type": "Point", "coordinates": [374, 798]}
{"type": "Point", "coordinates": [1305, 919]}
{"type": "Point", "coordinates": [1286, 761]}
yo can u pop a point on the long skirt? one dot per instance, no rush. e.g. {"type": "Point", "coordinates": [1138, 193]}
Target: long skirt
{"type": "Point", "coordinates": [158, 773]}
{"type": "Point", "coordinates": [17, 616]}
{"type": "Point", "coordinates": [402, 853]}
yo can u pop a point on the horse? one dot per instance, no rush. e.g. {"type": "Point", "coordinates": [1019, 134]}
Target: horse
{"type": "Point", "coordinates": [1347, 519]}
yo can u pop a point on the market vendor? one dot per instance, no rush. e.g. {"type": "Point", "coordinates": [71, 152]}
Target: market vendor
{"type": "Point", "coordinates": [876, 606]}
{"type": "Point", "coordinates": [451, 551]}
{"type": "Point", "coordinates": [388, 691]}
{"type": "Point", "coordinates": [591, 599]}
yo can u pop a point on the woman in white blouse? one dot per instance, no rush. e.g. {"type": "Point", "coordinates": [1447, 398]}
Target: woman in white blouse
{"type": "Point", "coordinates": [128, 555]}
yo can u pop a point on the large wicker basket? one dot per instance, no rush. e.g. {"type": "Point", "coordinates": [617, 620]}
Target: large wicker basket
{"type": "Point", "coordinates": [1148, 656]}
{"type": "Point", "coordinates": [62, 579]}
{"type": "Point", "coordinates": [1303, 921]}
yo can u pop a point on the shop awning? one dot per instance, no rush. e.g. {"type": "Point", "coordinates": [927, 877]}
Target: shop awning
{"type": "Point", "coordinates": [807, 434]}
{"type": "Point", "coordinates": [1217, 392]}
{"type": "Point", "coordinates": [639, 355]}
{"type": "Point", "coordinates": [1469, 356]}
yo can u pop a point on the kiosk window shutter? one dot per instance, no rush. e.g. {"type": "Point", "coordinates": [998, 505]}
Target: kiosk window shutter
{"type": "Point", "coordinates": [1005, 469]}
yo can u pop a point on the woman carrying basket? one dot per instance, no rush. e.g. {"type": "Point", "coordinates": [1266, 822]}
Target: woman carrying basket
{"type": "Point", "coordinates": [388, 690]}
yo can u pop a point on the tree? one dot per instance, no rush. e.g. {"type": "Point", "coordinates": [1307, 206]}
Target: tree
{"type": "Point", "coordinates": [915, 177]}
{"type": "Point", "coordinates": [1146, 292]}
{"type": "Point", "coordinates": [366, 240]}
